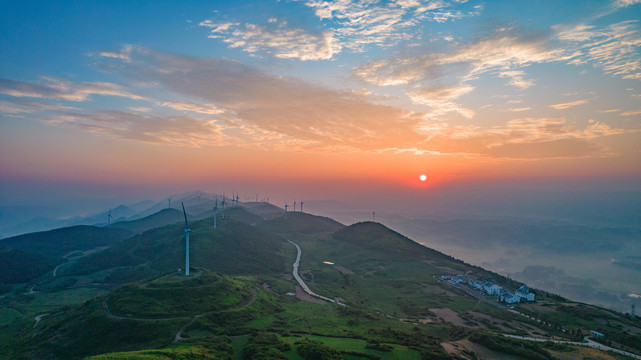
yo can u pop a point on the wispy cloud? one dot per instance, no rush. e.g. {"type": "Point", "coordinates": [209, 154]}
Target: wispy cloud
{"type": "Point", "coordinates": [193, 107]}
{"type": "Point", "coordinates": [350, 24]}
{"type": "Point", "coordinates": [177, 131]}
{"type": "Point", "coordinates": [631, 113]}
{"type": "Point", "coordinates": [516, 79]}
{"type": "Point", "coordinates": [20, 106]}
{"type": "Point", "coordinates": [442, 100]}
{"type": "Point", "coordinates": [51, 88]}
{"type": "Point", "coordinates": [613, 48]}
{"type": "Point", "coordinates": [278, 41]}
{"type": "Point", "coordinates": [568, 105]}
{"type": "Point", "coordinates": [503, 51]}
{"type": "Point", "coordinates": [519, 109]}
{"type": "Point", "coordinates": [360, 23]}
{"type": "Point", "coordinates": [625, 3]}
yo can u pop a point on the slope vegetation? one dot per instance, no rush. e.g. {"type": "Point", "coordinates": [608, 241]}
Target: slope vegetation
{"type": "Point", "coordinates": [232, 248]}
{"type": "Point", "coordinates": [59, 242]}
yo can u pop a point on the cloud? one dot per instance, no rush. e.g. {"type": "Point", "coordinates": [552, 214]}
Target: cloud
{"type": "Point", "coordinates": [280, 42]}
{"type": "Point", "coordinates": [519, 109]}
{"type": "Point", "coordinates": [216, 28]}
{"type": "Point", "coordinates": [568, 105]}
{"type": "Point", "coordinates": [360, 23]}
{"type": "Point", "coordinates": [517, 79]}
{"type": "Point", "coordinates": [21, 106]}
{"type": "Point", "coordinates": [59, 89]}
{"type": "Point", "coordinates": [263, 103]}
{"type": "Point", "coordinates": [350, 24]}
{"type": "Point", "coordinates": [247, 107]}
{"type": "Point", "coordinates": [140, 109]}
{"type": "Point", "coordinates": [441, 100]}
{"type": "Point", "coordinates": [503, 50]}
{"type": "Point", "coordinates": [527, 138]}
{"type": "Point", "coordinates": [193, 107]}
{"type": "Point", "coordinates": [613, 48]}
{"type": "Point", "coordinates": [631, 113]}
{"type": "Point", "coordinates": [178, 131]}
{"type": "Point", "coordinates": [625, 3]}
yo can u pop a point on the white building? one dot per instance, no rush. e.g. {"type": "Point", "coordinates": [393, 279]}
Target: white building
{"type": "Point", "coordinates": [491, 288]}
{"type": "Point", "coordinates": [509, 298]}
{"type": "Point", "coordinates": [476, 283]}
{"type": "Point", "coordinates": [525, 293]}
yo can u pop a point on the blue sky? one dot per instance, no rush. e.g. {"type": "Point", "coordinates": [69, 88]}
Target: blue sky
{"type": "Point", "coordinates": [378, 90]}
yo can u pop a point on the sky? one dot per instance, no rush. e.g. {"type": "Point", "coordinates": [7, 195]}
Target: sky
{"type": "Point", "coordinates": [312, 98]}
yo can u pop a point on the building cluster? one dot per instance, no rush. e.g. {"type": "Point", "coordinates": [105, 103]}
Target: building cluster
{"type": "Point", "coordinates": [521, 294]}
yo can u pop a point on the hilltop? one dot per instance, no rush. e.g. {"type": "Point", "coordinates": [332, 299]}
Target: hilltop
{"type": "Point", "coordinates": [159, 219]}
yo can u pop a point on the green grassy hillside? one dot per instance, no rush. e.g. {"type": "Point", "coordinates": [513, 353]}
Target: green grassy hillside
{"type": "Point", "coordinates": [232, 248]}
{"type": "Point", "coordinates": [59, 242]}
{"type": "Point", "coordinates": [18, 266]}
{"type": "Point", "coordinates": [143, 315]}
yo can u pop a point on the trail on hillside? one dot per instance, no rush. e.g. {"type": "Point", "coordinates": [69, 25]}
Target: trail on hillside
{"type": "Point", "coordinates": [302, 283]}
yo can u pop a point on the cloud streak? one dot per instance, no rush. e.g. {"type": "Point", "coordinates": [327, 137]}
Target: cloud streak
{"type": "Point", "coordinates": [59, 89]}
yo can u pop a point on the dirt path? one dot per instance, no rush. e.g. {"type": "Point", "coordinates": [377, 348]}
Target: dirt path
{"type": "Point", "coordinates": [38, 318]}
{"type": "Point", "coordinates": [112, 316]}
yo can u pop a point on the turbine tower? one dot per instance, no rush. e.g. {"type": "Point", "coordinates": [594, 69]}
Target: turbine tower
{"type": "Point", "coordinates": [301, 205]}
{"type": "Point", "coordinates": [294, 205]}
{"type": "Point", "coordinates": [109, 218]}
{"type": "Point", "coordinates": [187, 230]}
{"type": "Point", "coordinates": [285, 209]}
{"type": "Point", "coordinates": [215, 210]}
{"type": "Point", "coordinates": [169, 206]}
{"type": "Point", "coordinates": [223, 202]}
{"type": "Point", "coordinates": [236, 199]}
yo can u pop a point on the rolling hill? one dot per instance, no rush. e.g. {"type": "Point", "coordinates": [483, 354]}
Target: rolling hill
{"type": "Point", "coordinates": [242, 302]}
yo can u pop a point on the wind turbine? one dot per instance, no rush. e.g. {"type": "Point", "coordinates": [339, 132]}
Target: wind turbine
{"type": "Point", "coordinates": [223, 202]}
{"type": "Point", "coordinates": [199, 195]}
{"type": "Point", "coordinates": [301, 205]}
{"type": "Point", "coordinates": [294, 205]}
{"type": "Point", "coordinates": [169, 206]}
{"type": "Point", "coordinates": [285, 209]}
{"type": "Point", "coordinates": [109, 218]}
{"type": "Point", "coordinates": [187, 230]}
{"type": "Point", "coordinates": [236, 199]}
{"type": "Point", "coordinates": [215, 210]}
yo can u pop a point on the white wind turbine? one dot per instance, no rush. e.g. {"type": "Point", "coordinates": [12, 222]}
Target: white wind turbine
{"type": "Point", "coordinates": [187, 230]}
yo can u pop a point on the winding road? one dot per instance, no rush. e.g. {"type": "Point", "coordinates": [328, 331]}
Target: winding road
{"type": "Point", "coordinates": [302, 283]}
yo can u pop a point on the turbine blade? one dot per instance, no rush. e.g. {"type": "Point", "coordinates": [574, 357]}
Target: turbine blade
{"type": "Point", "coordinates": [185, 213]}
